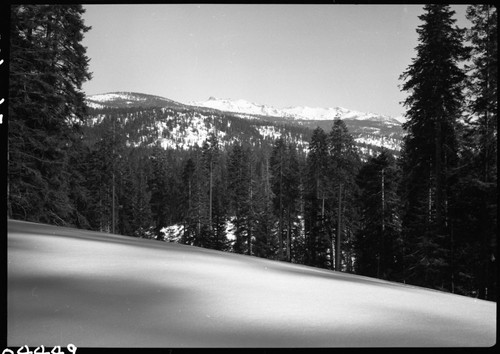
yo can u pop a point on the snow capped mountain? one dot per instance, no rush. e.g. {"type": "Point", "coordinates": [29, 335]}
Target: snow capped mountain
{"type": "Point", "coordinates": [238, 106]}
{"type": "Point", "coordinates": [176, 125]}
{"type": "Point", "coordinates": [149, 120]}
{"type": "Point", "coordinates": [294, 113]}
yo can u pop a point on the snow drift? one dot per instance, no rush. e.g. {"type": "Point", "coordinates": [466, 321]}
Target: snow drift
{"type": "Point", "coordinates": [101, 290]}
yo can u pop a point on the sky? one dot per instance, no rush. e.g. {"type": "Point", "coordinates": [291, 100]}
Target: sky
{"type": "Point", "coordinates": [349, 56]}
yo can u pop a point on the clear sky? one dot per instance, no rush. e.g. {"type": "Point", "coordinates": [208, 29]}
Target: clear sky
{"type": "Point", "coordinates": [280, 55]}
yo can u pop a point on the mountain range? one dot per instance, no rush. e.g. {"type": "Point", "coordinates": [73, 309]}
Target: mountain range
{"type": "Point", "coordinates": [180, 125]}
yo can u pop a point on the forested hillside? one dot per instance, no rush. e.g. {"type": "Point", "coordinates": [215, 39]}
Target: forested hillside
{"type": "Point", "coordinates": [427, 216]}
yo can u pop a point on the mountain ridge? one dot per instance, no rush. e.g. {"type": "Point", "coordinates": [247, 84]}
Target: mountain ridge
{"type": "Point", "coordinates": [293, 112]}
{"type": "Point", "coordinates": [370, 131]}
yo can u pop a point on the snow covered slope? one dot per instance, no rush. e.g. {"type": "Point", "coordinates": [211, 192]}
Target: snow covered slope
{"type": "Point", "coordinates": [129, 99]}
{"type": "Point", "coordinates": [94, 289]}
{"type": "Point", "coordinates": [369, 130]}
{"type": "Point", "coordinates": [294, 113]}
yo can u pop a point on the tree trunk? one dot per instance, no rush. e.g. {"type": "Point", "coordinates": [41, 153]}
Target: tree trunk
{"type": "Point", "coordinates": [280, 233]}
{"type": "Point", "coordinates": [288, 238]}
{"type": "Point", "coordinates": [210, 201]}
{"type": "Point", "coordinates": [438, 175]}
{"type": "Point", "coordinates": [339, 233]}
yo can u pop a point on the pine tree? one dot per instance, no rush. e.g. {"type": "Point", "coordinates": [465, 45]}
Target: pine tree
{"type": "Point", "coordinates": [343, 166]}
{"type": "Point", "coordinates": [239, 191]}
{"type": "Point", "coordinates": [265, 244]}
{"type": "Point", "coordinates": [158, 187]}
{"type": "Point", "coordinates": [316, 195]}
{"type": "Point", "coordinates": [47, 68]}
{"type": "Point", "coordinates": [278, 171]}
{"type": "Point", "coordinates": [434, 82]}
{"type": "Point", "coordinates": [211, 210]}
{"type": "Point", "coordinates": [474, 206]}
{"type": "Point", "coordinates": [378, 239]}
{"type": "Point", "coordinates": [285, 187]}
{"type": "Point", "coordinates": [134, 197]}
{"type": "Point", "coordinates": [190, 202]}
{"type": "Point", "coordinates": [220, 205]}
{"type": "Point", "coordinates": [103, 164]}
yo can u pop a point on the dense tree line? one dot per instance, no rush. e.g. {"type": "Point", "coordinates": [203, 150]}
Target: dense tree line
{"type": "Point", "coordinates": [47, 67]}
{"type": "Point", "coordinates": [427, 217]}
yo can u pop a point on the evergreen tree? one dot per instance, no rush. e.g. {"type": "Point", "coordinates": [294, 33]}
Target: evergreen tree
{"type": "Point", "coordinates": [474, 207]}
{"type": "Point", "coordinates": [378, 239]}
{"type": "Point", "coordinates": [210, 182]}
{"type": "Point", "coordinates": [134, 209]}
{"type": "Point", "coordinates": [278, 171]}
{"type": "Point", "coordinates": [47, 68]}
{"type": "Point", "coordinates": [265, 244]}
{"type": "Point", "coordinates": [190, 206]}
{"type": "Point", "coordinates": [317, 238]}
{"type": "Point", "coordinates": [220, 205]}
{"type": "Point", "coordinates": [239, 190]}
{"type": "Point", "coordinates": [292, 202]}
{"type": "Point", "coordinates": [343, 166]}
{"type": "Point", "coordinates": [158, 186]}
{"type": "Point", "coordinates": [285, 187]}
{"type": "Point", "coordinates": [104, 164]}
{"type": "Point", "coordinates": [434, 81]}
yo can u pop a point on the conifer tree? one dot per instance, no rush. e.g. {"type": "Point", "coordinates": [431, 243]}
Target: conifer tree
{"type": "Point", "coordinates": [378, 239]}
{"type": "Point", "coordinates": [434, 81]}
{"type": "Point", "coordinates": [285, 185]}
{"type": "Point", "coordinates": [278, 171]}
{"type": "Point", "coordinates": [103, 164]}
{"type": "Point", "coordinates": [239, 180]}
{"type": "Point", "coordinates": [210, 182]}
{"type": "Point", "coordinates": [266, 244]}
{"type": "Point", "coordinates": [220, 205]}
{"type": "Point", "coordinates": [190, 201]}
{"type": "Point", "coordinates": [343, 166]}
{"type": "Point", "coordinates": [158, 186]}
{"type": "Point", "coordinates": [316, 195]}
{"type": "Point", "coordinates": [47, 68]}
{"type": "Point", "coordinates": [474, 208]}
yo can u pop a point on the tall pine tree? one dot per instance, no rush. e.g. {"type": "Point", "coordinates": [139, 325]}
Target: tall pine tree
{"type": "Point", "coordinates": [474, 210]}
{"type": "Point", "coordinates": [316, 195]}
{"type": "Point", "coordinates": [343, 166]}
{"type": "Point", "coordinates": [434, 81]}
{"type": "Point", "coordinates": [378, 239]}
{"type": "Point", "coordinates": [47, 68]}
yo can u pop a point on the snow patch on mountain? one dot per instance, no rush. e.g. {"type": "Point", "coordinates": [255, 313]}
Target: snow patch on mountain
{"type": "Point", "coordinates": [293, 113]}
{"type": "Point", "coordinates": [173, 233]}
{"type": "Point", "coordinates": [269, 131]}
{"type": "Point", "coordinates": [238, 106]}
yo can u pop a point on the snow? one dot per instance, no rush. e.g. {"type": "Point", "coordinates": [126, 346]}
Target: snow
{"type": "Point", "coordinates": [106, 97]}
{"type": "Point", "coordinates": [269, 131]}
{"type": "Point", "coordinates": [173, 233]}
{"type": "Point", "coordinates": [238, 106]}
{"type": "Point", "coordinates": [380, 141]}
{"type": "Point", "coordinates": [401, 119]}
{"type": "Point", "coordinates": [295, 113]}
{"type": "Point", "coordinates": [95, 105]}
{"type": "Point", "coordinates": [101, 290]}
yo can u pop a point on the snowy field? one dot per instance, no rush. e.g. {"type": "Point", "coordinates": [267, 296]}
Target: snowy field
{"type": "Point", "coordinates": [101, 290]}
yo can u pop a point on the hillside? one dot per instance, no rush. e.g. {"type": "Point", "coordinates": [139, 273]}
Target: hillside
{"type": "Point", "coordinates": [173, 125]}
{"type": "Point", "coordinates": [101, 290]}
{"type": "Point", "coordinates": [256, 123]}
{"type": "Point", "coordinates": [368, 129]}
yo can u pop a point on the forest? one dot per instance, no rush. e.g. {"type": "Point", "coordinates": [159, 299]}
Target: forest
{"type": "Point", "coordinates": [427, 217]}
